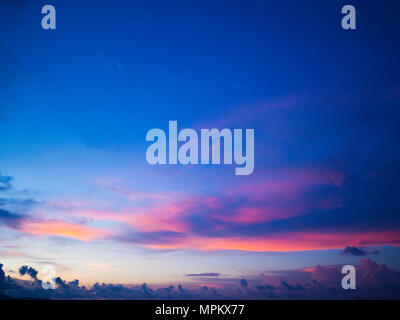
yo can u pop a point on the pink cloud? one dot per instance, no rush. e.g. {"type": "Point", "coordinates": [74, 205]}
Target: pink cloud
{"type": "Point", "coordinates": [61, 228]}
{"type": "Point", "coordinates": [283, 242]}
{"type": "Point", "coordinates": [274, 195]}
{"type": "Point", "coordinates": [280, 195]}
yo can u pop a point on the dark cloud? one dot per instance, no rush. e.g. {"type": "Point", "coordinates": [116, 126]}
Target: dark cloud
{"type": "Point", "coordinates": [9, 219]}
{"type": "Point", "coordinates": [28, 270]}
{"type": "Point", "coordinates": [265, 287]}
{"type": "Point", "coordinates": [13, 210]}
{"type": "Point", "coordinates": [243, 283]}
{"type": "Point", "coordinates": [2, 277]}
{"type": "Point", "coordinates": [61, 283]}
{"type": "Point", "coordinates": [5, 182]}
{"type": "Point", "coordinates": [354, 251]}
{"type": "Point", "coordinates": [5, 281]}
{"type": "Point", "coordinates": [19, 203]}
{"type": "Point", "coordinates": [290, 287]}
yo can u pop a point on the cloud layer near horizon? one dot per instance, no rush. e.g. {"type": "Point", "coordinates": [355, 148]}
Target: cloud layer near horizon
{"type": "Point", "coordinates": [320, 282]}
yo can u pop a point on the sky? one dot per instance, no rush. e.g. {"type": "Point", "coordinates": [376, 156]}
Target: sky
{"type": "Point", "coordinates": [76, 103]}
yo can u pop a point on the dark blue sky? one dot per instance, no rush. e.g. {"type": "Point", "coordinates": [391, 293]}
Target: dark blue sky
{"type": "Point", "coordinates": [186, 60]}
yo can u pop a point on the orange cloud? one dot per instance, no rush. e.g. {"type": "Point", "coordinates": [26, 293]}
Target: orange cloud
{"type": "Point", "coordinates": [285, 242]}
{"type": "Point", "coordinates": [61, 228]}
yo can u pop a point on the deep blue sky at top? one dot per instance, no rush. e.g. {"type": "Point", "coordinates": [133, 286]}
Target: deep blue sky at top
{"type": "Point", "coordinates": [113, 70]}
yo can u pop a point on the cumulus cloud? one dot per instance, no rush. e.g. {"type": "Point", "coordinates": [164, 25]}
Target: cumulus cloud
{"type": "Point", "coordinates": [6, 283]}
{"type": "Point", "coordinates": [29, 271]}
{"type": "Point", "coordinates": [320, 282]}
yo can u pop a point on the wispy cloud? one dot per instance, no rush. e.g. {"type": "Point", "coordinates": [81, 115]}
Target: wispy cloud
{"type": "Point", "coordinates": [61, 228]}
{"type": "Point", "coordinates": [207, 274]}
